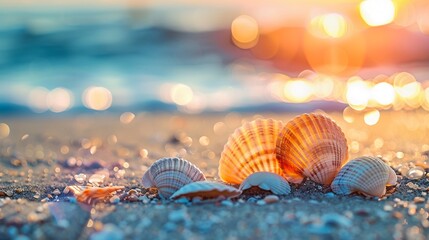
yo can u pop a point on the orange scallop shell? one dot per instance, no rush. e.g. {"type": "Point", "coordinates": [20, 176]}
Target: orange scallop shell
{"type": "Point", "coordinates": [251, 148]}
{"type": "Point", "coordinates": [313, 146]}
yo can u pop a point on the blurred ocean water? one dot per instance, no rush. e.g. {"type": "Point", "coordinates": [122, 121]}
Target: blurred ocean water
{"type": "Point", "coordinates": [120, 50]}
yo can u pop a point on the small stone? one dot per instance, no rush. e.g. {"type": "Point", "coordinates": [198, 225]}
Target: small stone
{"type": "Point", "coordinates": [115, 199]}
{"type": "Point", "coordinates": [56, 192]}
{"type": "Point", "coordinates": [397, 215]}
{"type": "Point", "coordinates": [271, 199]}
{"type": "Point", "coordinates": [227, 203]}
{"type": "Point", "coordinates": [66, 190]}
{"type": "Point", "coordinates": [109, 232]}
{"type": "Point", "coordinates": [419, 200]}
{"type": "Point", "coordinates": [336, 220]}
{"type": "Point", "coordinates": [80, 178]}
{"type": "Point", "coordinates": [9, 193]}
{"type": "Point", "coordinates": [261, 202]}
{"type": "Point", "coordinates": [415, 173]}
{"type": "Point", "coordinates": [96, 179]}
{"type": "Point", "coordinates": [182, 200]}
{"type": "Point", "coordinates": [178, 215]}
{"type": "Point", "coordinates": [330, 195]}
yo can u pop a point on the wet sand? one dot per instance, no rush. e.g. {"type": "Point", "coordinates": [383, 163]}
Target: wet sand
{"type": "Point", "coordinates": [42, 155]}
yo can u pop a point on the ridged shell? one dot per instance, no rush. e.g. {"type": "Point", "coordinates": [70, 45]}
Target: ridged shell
{"type": "Point", "coordinates": [266, 181]}
{"type": "Point", "coordinates": [251, 148]}
{"type": "Point", "coordinates": [367, 175]}
{"type": "Point", "coordinates": [311, 145]}
{"type": "Point", "coordinates": [93, 194]}
{"type": "Point", "coordinates": [170, 174]}
{"type": "Point", "coordinates": [206, 190]}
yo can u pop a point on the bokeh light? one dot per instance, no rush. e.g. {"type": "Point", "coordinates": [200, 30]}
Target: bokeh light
{"type": "Point", "coordinates": [181, 94]}
{"type": "Point", "coordinates": [372, 117]}
{"type": "Point", "coordinates": [377, 12]}
{"type": "Point", "coordinates": [4, 130]}
{"type": "Point", "coordinates": [357, 94]}
{"type": "Point", "coordinates": [383, 93]}
{"type": "Point", "coordinates": [59, 100]}
{"type": "Point", "coordinates": [297, 91]}
{"type": "Point", "coordinates": [331, 25]}
{"type": "Point", "coordinates": [127, 117]}
{"type": "Point", "coordinates": [245, 31]}
{"type": "Point", "coordinates": [37, 99]}
{"type": "Point", "coordinates": [97, 98]}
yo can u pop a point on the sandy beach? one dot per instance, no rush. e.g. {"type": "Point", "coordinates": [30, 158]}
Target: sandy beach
{"type": "Point", "coordinates": [42, 156]}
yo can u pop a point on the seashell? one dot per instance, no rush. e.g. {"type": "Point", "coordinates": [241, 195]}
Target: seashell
{"type": "Point", "coordinates": [266, 181]}
{"type": "Point", "coordinates": [367, 175]}
{"type": "Point", "coordinates": [311, 145]}
{"type": "Point", "coordinates": [92, 194]}
{"type": "Point", "coordinates": [251, 148]}
{"type": "Point", "coordinates": [170, 174]}
{"type": "Point", "coordinates": [206, 190]}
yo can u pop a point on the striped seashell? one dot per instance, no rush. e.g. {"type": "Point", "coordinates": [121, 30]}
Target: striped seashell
{"type": "Point", "coordinates": [366, 175]}
{"type": "Point", "coordinates": [170, 174]}
{"type": "Point", "coordinates": [266, 181]}
{"type": "Point", "coordinates": [91, 195]}
{"type": "Point", "coordinates": [206, 190]}
{"type": "Point", "coordinates": [251, 148]}
{"type": "Point", "coordinates": [313, 146]}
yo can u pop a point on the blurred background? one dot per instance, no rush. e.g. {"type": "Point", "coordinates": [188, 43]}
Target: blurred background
{"type": "Point", "coordinates": [198, 56]}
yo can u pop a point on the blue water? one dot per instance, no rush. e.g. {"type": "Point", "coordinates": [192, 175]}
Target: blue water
{"type": "Point", "coordinates": [115, 49]}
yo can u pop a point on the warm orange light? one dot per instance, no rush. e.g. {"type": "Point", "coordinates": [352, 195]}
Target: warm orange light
{"type": "Point", "coordinates": [297, 91]}
{"type": "Point", "coordinates": [383, 93]}
{"type": "Point", "coordinates": [371, 118]}
{"type": "Point", "coordinates": [245, 31]}
{"type": "Point", "coordinates": [59, 100]}
{"type": "Point", "coordinates": [181, 94]}
{"type": "Point", "coordinates": [97, 98]}
{"type": "Point", "coordinates": [357, 94]}
{"type": "Point", "coordinates": [377, 12]}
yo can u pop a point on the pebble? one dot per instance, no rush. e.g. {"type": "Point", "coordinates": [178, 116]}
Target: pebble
{"type": "Point", "coordinates": [271, 199]}
{"type": "Point", "coordinates": [415, 173]}
{"type": "Point", "coordinates": [115, 199]}
{"type": "Point", "coordinates": [109, 232]}
{"type": "Point", "coordinates": [261, 202]}
{"type": "Point", "coordinates": [336, 220]}
{"type": "Point", "coordinates": [96, 179]}
{"type": "Point", "coordinates": [56, 192]}
{"type": "Point", "coordinates": [227, 203]}
{"type": "Point", "coordinates": [330, 195]}
{"type": "Point", "coordinates": [419, 200]}
{"type": "Point", "coordinates": [80, 178]}
{"type": "Point", "coordinates": [178, 215]}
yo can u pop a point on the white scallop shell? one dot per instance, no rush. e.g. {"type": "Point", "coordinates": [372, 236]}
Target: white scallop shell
{"type": "Point", "coordinates": [366, 175]}
{"type": "Point", "coordinates": [311, 145]}
{"type": "Point", "coordinates": [170, 174]}
{"type": "Point", "coordinates": [206, 190]}
{"type": "Point", "coordinates": [266, 181]}
{"type": "Point", "coordinates": [251, 148]}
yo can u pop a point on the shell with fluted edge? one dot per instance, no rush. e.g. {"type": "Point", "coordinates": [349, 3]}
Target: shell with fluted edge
{"type": "Point", "coordinates": [313, 146]}
{"type": "Point", "coordinates": [366, 175]}
{"type": "Point", "coordinates": [170, 174]}
{"type": "Point", "coordinates": [206, 190]}
{"type": "Point", "coordinates": [266, 181]}
{"type": "Point", "coordinates": [251, 148]}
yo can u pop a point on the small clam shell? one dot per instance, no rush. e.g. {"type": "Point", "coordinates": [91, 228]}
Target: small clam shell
{"type": "Point", "coordinates": [170, 174]}
{"type": "Point", "coordinates": [366, 175]}
{"type": "Point", "coordinates": [251, 148]}
{"type": "Point", "coordinates": [206, 190]}
{"type": "Point", "coordinates": [311, 145]}
{"type": "Point", "coordinates": [266, 181]}
{"type": "Point", "coordinates": [92, 194]}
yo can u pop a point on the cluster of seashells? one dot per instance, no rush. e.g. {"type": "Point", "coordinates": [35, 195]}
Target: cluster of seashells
{"type": "Point", "coordinates": [268, 154]}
